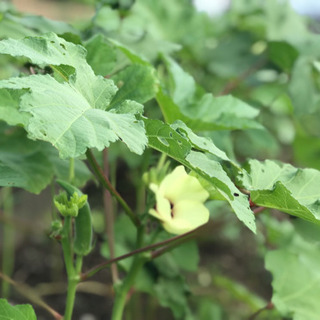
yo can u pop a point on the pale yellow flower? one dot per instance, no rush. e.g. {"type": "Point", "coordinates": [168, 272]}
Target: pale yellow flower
{"type": "Point", "coordinates": [179, 202]}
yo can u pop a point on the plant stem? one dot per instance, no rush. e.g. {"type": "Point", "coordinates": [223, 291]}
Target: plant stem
{"type": "Point", "coordinates": [8, 239]}
{"type": "Point", "coordinates": [72, 285]}
{"type": "Point", "coordinates": [71, 170]}
{"type": "Point", "coordinates": [123, 288]}
{"type": "Point", "coordinates": [109, 214]}
{"type": "Point", "coordinates": [106, 183]}
{"type": "Point", "coordinates": [150, 247]}
{"type": "Point", "coordinates": [72, 273]}
{"type": "Point", "coordinates": [269, 306]}
{"type": "Point", "coordinates": [66, 246]}
{"type": "Point", "coordinates": [161, 161]}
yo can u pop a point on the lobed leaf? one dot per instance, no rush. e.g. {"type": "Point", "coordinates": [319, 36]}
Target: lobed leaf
{"type": "Point", "coordinates": [70, 111]}
{"type": "Point", "coordinates": [284, 187]}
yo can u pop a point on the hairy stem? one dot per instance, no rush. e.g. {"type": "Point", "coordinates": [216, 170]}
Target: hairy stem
{"type": "Point", "coordinates": [106, 183]}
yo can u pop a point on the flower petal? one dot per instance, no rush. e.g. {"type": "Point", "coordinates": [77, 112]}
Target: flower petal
{"type": "Point", "coordinates": [187, 215]}
{"type": "Point", "coordinates": [163, 208]}
{"type": "Point", "coordinates": [178, 186]}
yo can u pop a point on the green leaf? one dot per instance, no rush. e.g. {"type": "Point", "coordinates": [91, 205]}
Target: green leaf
{"type": "Point", "coordinates": [284, 187]}
{"type": "Point", "coordinates": [296, 279]}
{"type": "Point", "coordinates": [100, 55]}
{"type": "Point", "coordinates": [23, 163]}
{"type": "Point", "coordinates": [64, 117]}
{"type": "Point", "coordinates": [172, 293]}
{"type": "Point", "coordinates": [137, 82]}
{"type": "Point", "coordinates": [213, 173]}
{"type": "Point", "coordinates": [162, 137]}
{"type": "Point", "coordinates": [18, 312]}
{"type": "Point", "coordinates": [200, 143]}
{"type": "Point", "coordinates": [46, 50]}
{"type": "Point", "coordinates": [9, 105]}
{"type": "Point", "coordinates": [206, 112]}
{"type": "Point", "coordinates": [305, 97]}
{"type": "Point", "coordinates": [71, 115]}
{"type": "Point", "coordinates": [165, 139]}
{"type": "Point", "coordinates": [41, 24]}
{"type": "Point", "coordinates": [209, 113]}
{"type": "Point", "coordinates": [282, 54]}
{"type": "Point", "coordinates": [183, 86]}
{"type": "Point", "coordinates": [281, 19]}
{"type": "Point", "coordinates": [186, 256]}
{"type": "Point", "coordinates": [306, 151]}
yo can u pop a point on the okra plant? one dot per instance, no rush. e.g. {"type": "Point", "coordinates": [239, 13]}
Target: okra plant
{"type": "Point", "coordinates": [176, 116]}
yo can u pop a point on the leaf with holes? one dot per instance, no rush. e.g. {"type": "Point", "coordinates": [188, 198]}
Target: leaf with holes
{"type": "Point", "coordinates": [73, 114]}
{"type": "Point", "coordinates": [178, 145]}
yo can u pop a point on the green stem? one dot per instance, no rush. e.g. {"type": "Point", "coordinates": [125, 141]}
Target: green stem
{"type": "Point", "coordinates": [123, 288]}
{"type": "Point", "coordinates": [66, 246]}
{"type": "Point", "coordinates": [71, 295]}
{"type": "Point", "coordinates": [71, 170]}
{"type": "Point", "coordinates": [8, 239]}
{"type": "Point", "coordinates": [106, 183]}
{"type": "Point", "coordinates": [72, 272]}
{"type": "Point", "coordinates": [161, 161]}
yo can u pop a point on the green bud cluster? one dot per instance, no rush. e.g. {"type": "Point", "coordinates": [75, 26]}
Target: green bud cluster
{"type": "Point", "coordinates": [69, 206]}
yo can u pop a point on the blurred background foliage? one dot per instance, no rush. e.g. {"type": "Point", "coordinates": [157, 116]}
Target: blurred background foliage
{"type": "Point", "coordinates": [262, 52]}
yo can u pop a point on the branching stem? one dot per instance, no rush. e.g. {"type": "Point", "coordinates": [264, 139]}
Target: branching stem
{"type": "Point", "coordinates": [107, 184]}
{"type": "Point", "coordinates": [150, 247]}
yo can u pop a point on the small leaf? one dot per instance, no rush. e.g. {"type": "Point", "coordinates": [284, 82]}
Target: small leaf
{"type": "Point", "coordinates": [100, 55]}
{"type": "Point", "coordinates": [302, 88]}
{"type": "Point", "coordinates": [183, 85]}
{"type": "Point", "coordinates": [137, 82]}
{"type": "Point", "coordinates": [18, 312]}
